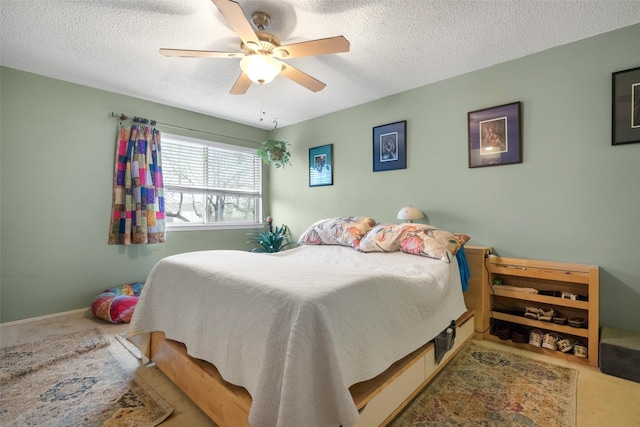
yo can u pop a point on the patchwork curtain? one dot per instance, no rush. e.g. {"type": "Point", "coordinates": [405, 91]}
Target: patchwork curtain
{"type": "Point", "coordinates": [137, 215]}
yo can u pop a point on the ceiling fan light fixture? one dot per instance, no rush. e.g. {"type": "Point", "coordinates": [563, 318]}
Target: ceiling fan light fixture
{"type": "Point", "coordinates": [261, 69]}
{"type": "Point", "coordinates": [262, 51]}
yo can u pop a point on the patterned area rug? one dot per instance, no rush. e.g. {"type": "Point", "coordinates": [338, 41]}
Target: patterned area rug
{"type": "Point", "coordinates": [73, 380]}
{"type": "Point", "coordinates": [486, 387]}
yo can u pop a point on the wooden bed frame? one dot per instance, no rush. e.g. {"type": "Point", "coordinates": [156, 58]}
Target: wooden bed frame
{"type": "Point", "coordinates": [378, 400]}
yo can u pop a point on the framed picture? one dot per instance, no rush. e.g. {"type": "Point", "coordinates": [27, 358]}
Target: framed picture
{"type": "Point", "coordinates": [625, 107]}
{"type": "Point", "coordinates": [321, 165]}
{"type": "Point", "coordinates": [494, 136]}
{"type": "Point", "coordinates": [390, 146]}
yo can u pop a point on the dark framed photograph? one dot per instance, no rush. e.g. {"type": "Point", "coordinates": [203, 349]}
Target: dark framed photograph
{"type": "Point", "coordinates": [625, 107]}
{"type": "Point", "coordinates": [321, 165]}
{"type": "Point", "coordinates": [390, 146]}
{"type": "Point", "coordinates": [495, 136]}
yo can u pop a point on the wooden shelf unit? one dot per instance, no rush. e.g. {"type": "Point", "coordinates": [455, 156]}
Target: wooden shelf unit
{"type": "Point", "coordinates": [579, 279]}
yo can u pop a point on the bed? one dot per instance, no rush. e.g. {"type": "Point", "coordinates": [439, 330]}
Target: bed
{"type": "Point", "coordinates": [309, 336]}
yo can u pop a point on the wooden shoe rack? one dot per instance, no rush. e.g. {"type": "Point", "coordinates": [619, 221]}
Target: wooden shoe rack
{"type": "Point", "coordinates": [507, 304]}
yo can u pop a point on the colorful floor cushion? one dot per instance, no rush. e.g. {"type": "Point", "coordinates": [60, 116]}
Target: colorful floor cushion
{"type": "Point", "coordinates": [116, 305]}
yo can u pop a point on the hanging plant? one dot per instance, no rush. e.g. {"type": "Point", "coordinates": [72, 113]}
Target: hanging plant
{"type": "Point", "coordinates": [276, 152]}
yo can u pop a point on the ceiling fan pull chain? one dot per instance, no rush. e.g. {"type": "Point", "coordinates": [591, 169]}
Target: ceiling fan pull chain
{"type": "Point", "coordinates": [262, 112]}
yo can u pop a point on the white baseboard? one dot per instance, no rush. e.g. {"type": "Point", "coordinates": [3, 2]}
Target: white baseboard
{"type": "Point", "coordinates": [48, 316]}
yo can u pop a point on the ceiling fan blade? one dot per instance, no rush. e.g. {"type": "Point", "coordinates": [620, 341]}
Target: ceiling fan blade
{"type": "Point", "coordinates": [238, 22]}
{"type": "Point", "coordinates": [336, 44]}
{"type": "Point", "coordinates": [185, 53]}
{"type": "Point", "coordinates": [241, 85]}
{"type": "Point", "coordinates": [302, 78]}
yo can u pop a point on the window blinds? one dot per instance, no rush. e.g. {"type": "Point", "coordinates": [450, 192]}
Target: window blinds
{"type": "Point", "coordinates": [218, 168]}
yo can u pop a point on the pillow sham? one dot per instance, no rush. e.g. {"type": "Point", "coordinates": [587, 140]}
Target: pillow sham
{"type": "Point", "coordinates": [432, 242]}
{"type": "Point", "coordinates": [416, 239]}
{"type": "Point", "coordinates": [343, 231]}
{"type": "Point", "coordinates": [382, 238]}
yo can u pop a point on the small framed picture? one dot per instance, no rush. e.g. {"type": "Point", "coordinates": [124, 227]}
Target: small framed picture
{"type": "Point", "coordinates": [495, 136]}
{"type": "Point", "coordinates": [625, 107]}
{"type": "Point", "coordinates": [390, 146]}
{"type": "Point", "coordinates": [321, 165]}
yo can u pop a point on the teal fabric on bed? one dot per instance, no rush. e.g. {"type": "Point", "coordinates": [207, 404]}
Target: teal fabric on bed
{"type": "Point", "coordinates": [463, 265]}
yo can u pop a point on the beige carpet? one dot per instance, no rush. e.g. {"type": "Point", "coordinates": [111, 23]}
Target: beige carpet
{"type": "Point", "coordinates": [487, 387]}
{"type": "Point", "coordinates": [74, 380]}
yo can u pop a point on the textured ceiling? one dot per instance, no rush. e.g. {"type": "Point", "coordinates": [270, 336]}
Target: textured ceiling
{"type": "Point", "coordinates": [395, 46]}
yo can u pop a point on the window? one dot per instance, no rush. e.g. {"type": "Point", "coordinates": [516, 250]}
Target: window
{"type": "Point", "coordinates": [210, 185]}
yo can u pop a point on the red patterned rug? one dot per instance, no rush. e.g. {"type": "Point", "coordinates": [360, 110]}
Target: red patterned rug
{"type": "Point", "coordinates": [487, 387]}
{"type": "Point", "coordinates": [73, 380]}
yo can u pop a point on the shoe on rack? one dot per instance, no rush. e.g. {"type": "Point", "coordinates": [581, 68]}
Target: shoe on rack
{"type": "Point", "coordinates": [520, 335]}
{"type": "Point", "coordinates": [580, 350]}
{"type": "Point", "coordinates": [535, 338]}
{"type": "Point", "coordinates": [502, 331]}
{"type": "Point", "coordinates": [546, 314]}
{"type": "Point", "coordinates": [532, 313]}
{"type": "Point", "coordinates": [566, 345]}
{"type": "Point", "coordinates": [550, 340]}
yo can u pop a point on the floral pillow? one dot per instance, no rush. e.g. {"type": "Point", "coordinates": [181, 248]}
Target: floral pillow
{"type": "Point", "coordinates": [432, 242]}
{"type": "Point", "coordinates": [344, 231]}
{"type": "Point", "coordinates": [382, 238]}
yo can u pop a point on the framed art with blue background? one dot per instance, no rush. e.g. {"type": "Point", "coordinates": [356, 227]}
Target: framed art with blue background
{"type": "Point", "coordinates": [390, 146]}
{"type": "Point", "coordinates": [625, 107]}
{"type": "Point", "coordinates": [495, 136]}
{"type": "Point", "coordinates": [321, 165]}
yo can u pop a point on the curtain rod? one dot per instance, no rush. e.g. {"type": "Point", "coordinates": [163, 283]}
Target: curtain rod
{"type": "Point", "coordinates": [154, 122]}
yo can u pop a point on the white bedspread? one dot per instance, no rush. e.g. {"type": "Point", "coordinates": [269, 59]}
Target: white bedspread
{"type": "Point", "coordinates": [297, 328]}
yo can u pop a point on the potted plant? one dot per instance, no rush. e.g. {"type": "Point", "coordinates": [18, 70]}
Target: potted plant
{"type": "Point", "coordinates": [272, 239]}
{"type": "Point", "coordinates": [276, 152]}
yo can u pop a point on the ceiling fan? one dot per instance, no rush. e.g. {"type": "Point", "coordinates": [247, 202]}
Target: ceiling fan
{"type": "Point", "coordinates": [262, 52]}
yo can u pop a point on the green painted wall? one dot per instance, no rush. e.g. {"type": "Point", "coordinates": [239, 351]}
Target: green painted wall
{"type": "Point", "coordinates": [576, 198]}
{"type": "Point", "coordinates": [57, 151]}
